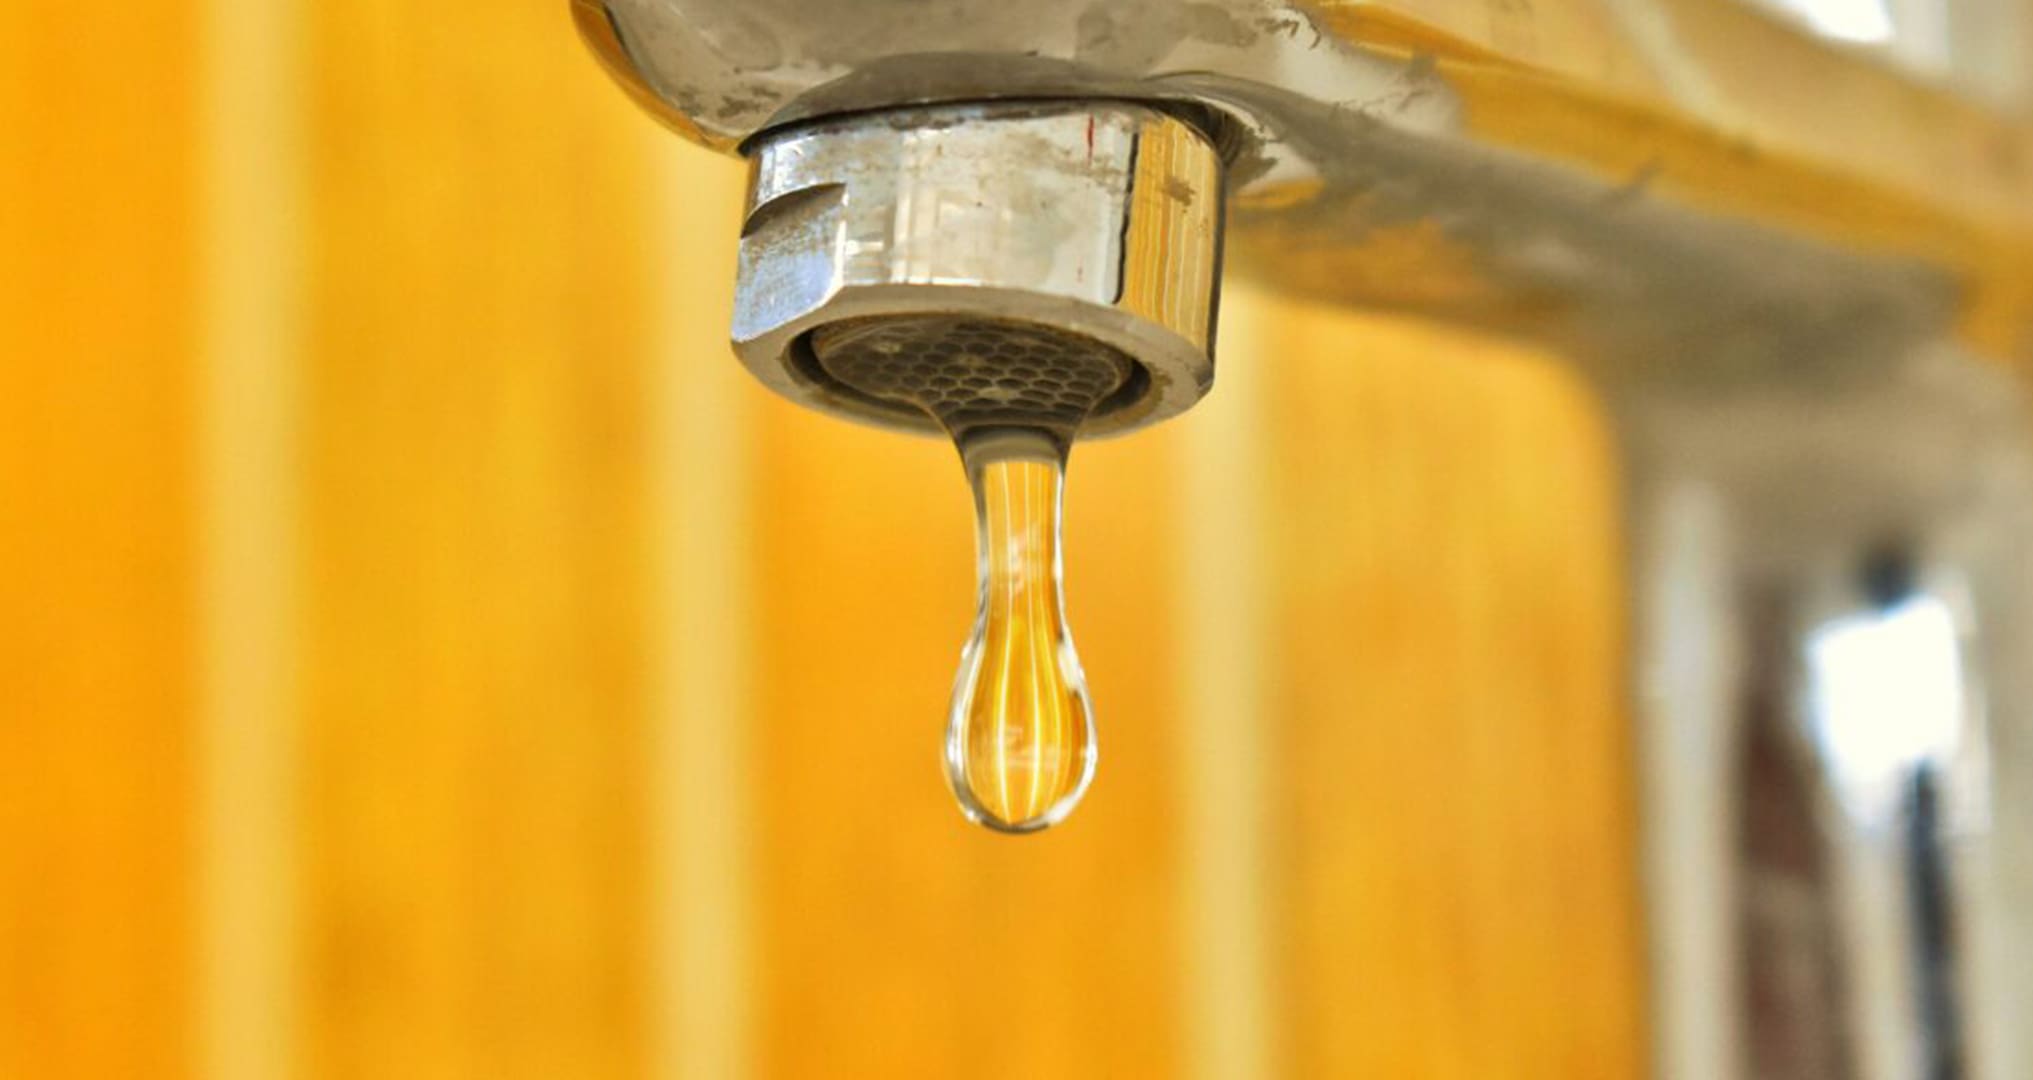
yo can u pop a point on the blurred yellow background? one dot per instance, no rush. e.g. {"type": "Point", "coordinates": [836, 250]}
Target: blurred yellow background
{"type": "Point", "coordinates": [424, 653]}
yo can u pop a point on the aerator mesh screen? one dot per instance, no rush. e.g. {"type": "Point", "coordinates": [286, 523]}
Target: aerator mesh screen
{"type": "Point", "coordinates": [968, 371]}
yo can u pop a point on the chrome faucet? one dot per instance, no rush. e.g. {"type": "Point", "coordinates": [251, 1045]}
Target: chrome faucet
{"type": "Point", "coordinates": [1830, 489]}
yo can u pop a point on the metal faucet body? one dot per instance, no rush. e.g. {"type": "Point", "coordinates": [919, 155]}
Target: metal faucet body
{"type": "Point", "coordinates": [1825, 447]}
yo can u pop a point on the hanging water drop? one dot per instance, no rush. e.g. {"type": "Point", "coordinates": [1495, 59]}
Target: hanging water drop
{"type": "Point", "coordinates": [1020, 737]}
{"type": "Point", "coordinates": [1020, 745]}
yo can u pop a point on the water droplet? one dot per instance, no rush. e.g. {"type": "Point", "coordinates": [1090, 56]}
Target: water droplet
{"type": "Point", "coordinates": [1020, 746]}
{"type": "Point", "coordinates": [1020, 735]}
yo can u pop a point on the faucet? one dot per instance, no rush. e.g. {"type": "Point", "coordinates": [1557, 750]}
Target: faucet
{"type": "Point", "coordinates": [1801, 309]}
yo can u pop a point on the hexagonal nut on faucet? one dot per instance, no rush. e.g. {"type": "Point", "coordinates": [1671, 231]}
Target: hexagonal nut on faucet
{"type": "Point", "coordinates": [1040, 256]}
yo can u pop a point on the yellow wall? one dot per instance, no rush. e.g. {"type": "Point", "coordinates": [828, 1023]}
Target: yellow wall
{"type": "Point", "coordinates": [98, 654]}
{"type": "Point", "coordinates": [424, 653]}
